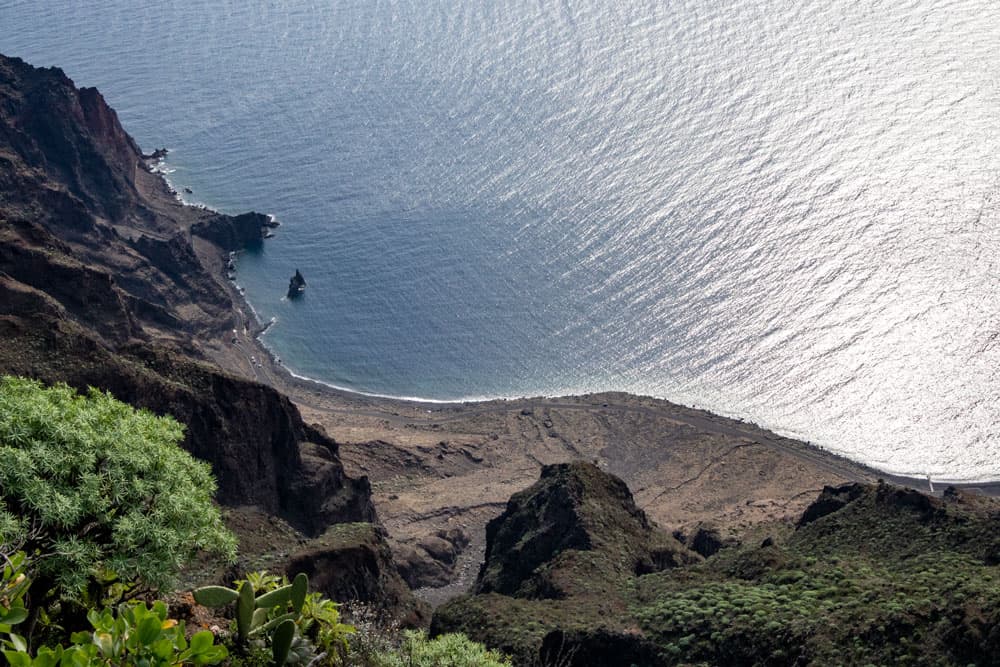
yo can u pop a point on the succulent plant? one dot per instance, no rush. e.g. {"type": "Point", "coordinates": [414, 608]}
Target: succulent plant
{"type": "Point", "coordinates": [271, 613]}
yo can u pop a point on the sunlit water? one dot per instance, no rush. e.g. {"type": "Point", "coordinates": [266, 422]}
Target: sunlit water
{"type": "Point", "coordinates": [782, 211]}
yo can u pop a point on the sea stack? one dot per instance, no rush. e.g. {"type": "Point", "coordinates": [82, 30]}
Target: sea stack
{"type": "Point", "coordinates": [296, 286]}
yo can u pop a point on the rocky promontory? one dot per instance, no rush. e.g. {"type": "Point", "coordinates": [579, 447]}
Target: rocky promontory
{"type": "Point", "coordinates": [107, 280]}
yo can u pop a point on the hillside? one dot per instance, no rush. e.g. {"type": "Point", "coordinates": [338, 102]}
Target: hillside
{"type": "Point", "coordinates": [107, 280]}
{"type": "Point", "coordinates": [739, 547]}
{"type": "Point", "coordinates": [871, 574]}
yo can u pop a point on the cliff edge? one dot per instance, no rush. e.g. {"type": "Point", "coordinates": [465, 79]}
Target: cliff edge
{"type": "Point", "coordinates": [100, 285]}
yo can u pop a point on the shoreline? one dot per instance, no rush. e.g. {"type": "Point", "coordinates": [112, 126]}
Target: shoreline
{"type": "Point", "coordinates": [156, 165]}
{"type": "Point", "coordinates": [294, 383]}
{"type": "Point", "coordinates": [472, 402]}
{"type": "Point", "coordinates": [296, 380]}
{"type": "Point", "coordinates": [440, 467]}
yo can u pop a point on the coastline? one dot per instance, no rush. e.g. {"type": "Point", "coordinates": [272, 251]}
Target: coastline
{"type": "Point", "coordinates": [291, 378]}
{"type": "Point", "coordinates": [437, 467]}
{"type": "Point", "coordinates": [294, 383]}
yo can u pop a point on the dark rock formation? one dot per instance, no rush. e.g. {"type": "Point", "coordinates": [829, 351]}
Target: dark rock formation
{"type": "Point", "coordinates": [705, 539]}
{"type": "Point", "coordinates": [233, 232]}
{"type": "Point", "coordinates": [558, 563]}
{"type": "Point", "coordinates": [296, 286]}
{"type": "Point", "coordinates": [910, 499]}
{"type": "Point", "coordinates": [70, 134]}
{"type": "Point", "coordinates": [830, 500]}
{"type": "Point", "coordinates": [535, 549]}
{"type": "Point", "coordinates": [352, 562]}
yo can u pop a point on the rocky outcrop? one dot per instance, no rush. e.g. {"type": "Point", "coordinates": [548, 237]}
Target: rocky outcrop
{"type": "Point", "coordinates": [830, 500]}
{"type": "Point", "coordinates": [705, 539]}
{"type": "Point", "coordinates": [100, 285]}
{"type": "Point", "coordinates": [352, 562]}
{"type": "Point", "coordinates": [430, 561]}
{"type": "Point", "coordinates": [70, 134]}
{"type": "Point", "coordinates": [233, 232]}
{"type": "Point", "coordinates": [552, 589]}
{"type": "Point", "coordinates": [577, 523]}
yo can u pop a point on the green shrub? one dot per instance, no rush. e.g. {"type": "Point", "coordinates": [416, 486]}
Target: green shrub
{"type": "Point", "coordinates": [451, 650]}
{"type": "Point", "coordinates": [90, 486]}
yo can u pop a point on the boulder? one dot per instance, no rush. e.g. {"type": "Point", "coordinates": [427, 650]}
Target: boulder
{"type": "Point", "coordinates": [431, 560]}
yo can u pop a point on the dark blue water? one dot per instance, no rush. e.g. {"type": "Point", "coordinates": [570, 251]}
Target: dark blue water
{"type": "Point", "coordinates": [781, 211]}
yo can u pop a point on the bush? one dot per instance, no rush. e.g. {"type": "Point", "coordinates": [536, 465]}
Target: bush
{"type": "Point", "coordinates": [297, 626]}
{"type": "Point", "coordinates": [451, 650]}
{"type": "Point", "coordinates": [94, 490]}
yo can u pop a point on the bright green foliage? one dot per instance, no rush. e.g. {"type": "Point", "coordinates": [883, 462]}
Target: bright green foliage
{"type": "Point", "coordinates": [256, 614]}
{"type": "Point", "coordinates": [142, 635]}
{"type": "Point", "coordinates": [320, 622]}
{"type": "Point", "coordinates": [74, 656]}
{"type": "Point", "coordinates": [262, 581]}
{"type": "Point", "coordinates": [90, 485]}
{"type": "Point", "coordinates": [136, 635]}
{"type": "Point", "coordinates": [451, 650]}
{"type": "Point", "coordinates": [13, 585]}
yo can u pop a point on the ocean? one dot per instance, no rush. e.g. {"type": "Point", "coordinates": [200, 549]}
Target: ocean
{"type": "Point", "coordinates": [783, 212]}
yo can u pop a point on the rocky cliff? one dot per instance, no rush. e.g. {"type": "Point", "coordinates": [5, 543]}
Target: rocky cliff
{"type": "Point", "coordinates": [575, 529]}
{"type": "Point", "coordinates": [552, 588]}
{"type": "Point", "coordinates": [100, 285]}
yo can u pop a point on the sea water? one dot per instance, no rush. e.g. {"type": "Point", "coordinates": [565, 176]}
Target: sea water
{"type": "Point", "coordinates": [786, 212]}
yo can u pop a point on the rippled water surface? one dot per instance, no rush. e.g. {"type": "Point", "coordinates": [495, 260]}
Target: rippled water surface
{"type": "Point", "coordinates": [782, 211]}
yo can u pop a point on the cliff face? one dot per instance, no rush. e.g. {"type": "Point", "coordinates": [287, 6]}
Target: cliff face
{"type": "Point", "coordinates": [68, 134]}
{"type": "Point", "coordinates": [100, 285]}
{"type": "Point", "coordinates": [575, 528]}
{"type": "Point", "coordinates": [353, 562]}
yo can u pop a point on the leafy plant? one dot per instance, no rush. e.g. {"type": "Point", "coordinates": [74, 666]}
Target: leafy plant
{"type": "Point", "coordinates": [13, 586]}
{"type": "Point", "coordinates": [320, 622]}
{"type": "Point", "coordinates": [256, 613]}
{"type": "Point", "coordinates": [90, 486]}
{"type": "Point", "coordinates": [144, 635]}
{"type": "Point", "coordinates": [136, 635]}
{"type": "Point", "coordinates": [273, 614]}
